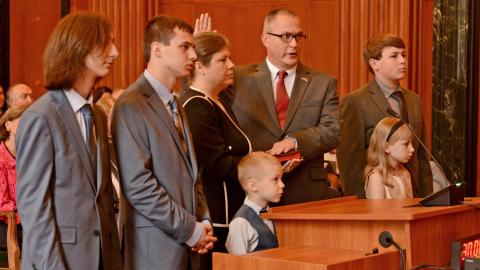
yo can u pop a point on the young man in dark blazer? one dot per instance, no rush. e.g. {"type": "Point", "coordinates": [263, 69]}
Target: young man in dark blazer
{"type": "Point", "coordinates": [362, 109]}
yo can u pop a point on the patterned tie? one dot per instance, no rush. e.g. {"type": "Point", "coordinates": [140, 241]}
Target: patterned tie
{"type": "Point", "coordinates": [177, 119]}
{"type": "Point", "coordinates": [89, 119]}
{"type": "Point", "coordinates": [282, 98]}
{"type": "Point", "coordinates": [402, 108]}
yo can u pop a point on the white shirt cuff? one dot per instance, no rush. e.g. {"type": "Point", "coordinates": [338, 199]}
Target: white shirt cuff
{"type": "Point", "coordinates": [197, 233]}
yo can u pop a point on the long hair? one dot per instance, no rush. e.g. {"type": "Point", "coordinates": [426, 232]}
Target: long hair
{"type": "Point", "coordinates": [377, 158]}
{"type": "Point", "coordinates": [74, 37]}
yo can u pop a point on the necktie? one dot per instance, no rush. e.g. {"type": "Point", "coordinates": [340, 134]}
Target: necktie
{"type": "Point", "coordinates": [402, 108]}
{"type": "Point", "coordinates": [282, 98]}
{"type": "Point", "coordinates": [89, 119]}
{"type": "Point", "coordinates": [177, 119]}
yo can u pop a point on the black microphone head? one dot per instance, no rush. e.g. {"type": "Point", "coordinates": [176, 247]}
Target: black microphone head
{"type": "Point", "coordinates": [374, 250]}
{"type": "Point", "coordinates": [393, 113]}
{"type": "Point", "coordinates": [385, 238]}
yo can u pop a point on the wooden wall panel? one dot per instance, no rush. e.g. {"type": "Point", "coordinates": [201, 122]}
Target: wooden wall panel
{"type": "Point", "coordinates": [336, 29]}
{"type": "Point", "coordinates": [31, 23]}
{"type": "Point", "coordinates": [323, 50]}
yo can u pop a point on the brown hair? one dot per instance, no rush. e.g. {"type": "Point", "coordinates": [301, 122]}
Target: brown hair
{"type": "Point", "coordinates": [273, 14]}
{"type": "Point", "coordinates": [74, 37]}
{"type": "Point", "coordinates": [12, 113]}
{"type": "Point", "coordinates": [375, 45]}
{"type": "Point", "coordinates": [160, 29]}
{"type": "Point", "coordinates": [207, 44]}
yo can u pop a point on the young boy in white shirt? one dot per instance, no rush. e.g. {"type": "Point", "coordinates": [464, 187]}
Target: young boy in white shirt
{"type": "Point", "coordinates": [260, 175]}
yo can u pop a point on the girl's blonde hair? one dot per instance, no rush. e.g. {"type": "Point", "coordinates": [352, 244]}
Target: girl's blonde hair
{"type": "Point", "coordinates": [384, 134]}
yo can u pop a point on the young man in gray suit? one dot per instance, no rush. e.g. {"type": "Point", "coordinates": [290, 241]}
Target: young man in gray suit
{"type": "Point", "coordinates": [64, 189]}
{"type": "Point", "coordinates": [362, 109]}
{"type": "Point", "coordinates": [283, 105]}
{"type": "Point", "coordinates": [165, 211]}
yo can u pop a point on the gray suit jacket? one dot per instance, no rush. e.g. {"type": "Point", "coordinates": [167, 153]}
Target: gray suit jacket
{"type": "Point", "coordinates": [164, 199]}
{"type": "Point", "coordinates": [67, 221]}
{"type": "Point", "coordinates": [361, 110]}
{"type": "Point", "coordinates": [312, 118]}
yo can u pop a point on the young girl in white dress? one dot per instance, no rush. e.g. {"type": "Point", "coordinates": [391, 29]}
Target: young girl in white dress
{"type": "Point", "coordinates": [386, 176]}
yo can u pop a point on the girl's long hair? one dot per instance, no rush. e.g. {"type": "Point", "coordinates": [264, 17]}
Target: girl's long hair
{"type": "Point", "coordinates": [377, 158]}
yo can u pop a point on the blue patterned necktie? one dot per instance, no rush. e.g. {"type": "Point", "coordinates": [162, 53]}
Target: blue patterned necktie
{"type": "Point", "coordinates": [89, 119]}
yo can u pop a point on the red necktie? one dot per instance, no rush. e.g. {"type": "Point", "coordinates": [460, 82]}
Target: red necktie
{"type": "Point", "coordinates": [282, 98]}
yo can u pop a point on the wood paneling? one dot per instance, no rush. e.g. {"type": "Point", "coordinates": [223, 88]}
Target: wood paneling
{"type": "Point", "coordinates": [336, 32]}
{"type": "Point", "coordinates": [336, 29]}
{"type": "Point", "coordinates": [31, 23]}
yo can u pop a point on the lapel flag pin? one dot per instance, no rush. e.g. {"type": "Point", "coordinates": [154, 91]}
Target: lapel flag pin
{"type": "Point", "coordinates": [305, 79]}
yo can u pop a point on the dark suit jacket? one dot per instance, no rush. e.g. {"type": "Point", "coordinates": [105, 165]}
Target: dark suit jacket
{"type": "Point", "coordinates": [164, 198]}
{"type": "Point", "coordinates": [312, 118]}
{"type": "Point", "coordinates": [361, 111]}
{"type": "Point", "coordinates": [66, 219]}
{"type": "Point", "coordinates": [219, 145]}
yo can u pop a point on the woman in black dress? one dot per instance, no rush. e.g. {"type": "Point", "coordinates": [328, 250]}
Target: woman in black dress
{"type": "Point", "coordinates": [219, 141]}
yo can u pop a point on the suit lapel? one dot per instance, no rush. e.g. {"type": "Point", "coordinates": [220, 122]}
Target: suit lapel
{"type": "Point", "coordinates": [302, 80]}
{"type": "Point", "coordinates": [188, 138]}
{"type": "Point", "coordinates": [378, 97]}
{"type": "Point", "coordinates": [159, 107]}
{"type": "Point", "coordinates": [65, 112]}
{"type": "Point", "coordinates": [264, 86]}
{"type": "Point", "coordinates": [101, 144]}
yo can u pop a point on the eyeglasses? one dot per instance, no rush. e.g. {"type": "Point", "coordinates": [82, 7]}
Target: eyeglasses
{"type": "Point", "coordinates": [287, 37]}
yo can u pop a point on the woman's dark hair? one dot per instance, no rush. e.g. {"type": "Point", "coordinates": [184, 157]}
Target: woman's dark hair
{"type": "Point", "coordinates": [207, 44]}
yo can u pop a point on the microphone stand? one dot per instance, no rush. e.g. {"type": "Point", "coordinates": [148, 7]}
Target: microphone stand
{"type": "Point", "coordinates": [394, 114]}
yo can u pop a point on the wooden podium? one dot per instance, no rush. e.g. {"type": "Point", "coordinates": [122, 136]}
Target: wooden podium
{"type": "Point", "coordinates": [352, 224]}
{"type": "Point", "coordinates": [307, 258]}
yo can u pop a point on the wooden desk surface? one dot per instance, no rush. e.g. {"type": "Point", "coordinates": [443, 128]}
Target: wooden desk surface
{"type": "Point", "coordinates": [307, 257]}
{"type": "Point", "coordinates": [351, 208]}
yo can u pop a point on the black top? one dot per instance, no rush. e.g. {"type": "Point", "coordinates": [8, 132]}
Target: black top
{"type": "Point", "coordinates": [219, 146]}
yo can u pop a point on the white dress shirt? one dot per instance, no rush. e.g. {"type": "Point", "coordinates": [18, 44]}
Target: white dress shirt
{"type": "Point", "coordinates": [242, 237]}
{"type": "Point", "coordinates": [289, 79]}
{"type": "Point", "coordinates": [77, 102]}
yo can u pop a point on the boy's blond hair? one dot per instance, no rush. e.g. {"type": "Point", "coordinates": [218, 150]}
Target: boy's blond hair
{"type": "Point", "coordinates": [252, 166]}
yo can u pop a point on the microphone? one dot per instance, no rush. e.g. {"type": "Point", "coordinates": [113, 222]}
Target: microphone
{"type": "Point", "coordinates": [395, 114]}
{"type": "Point", "coordinates": [386, 240]}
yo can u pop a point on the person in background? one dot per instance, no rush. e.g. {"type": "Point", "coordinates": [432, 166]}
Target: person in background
{"type": "Point", "coordinates": [260, 175]}
{"type": "Point", "coordinates": [100, 92]}
{"type": "Point", "coordinates": [361, 110]}
{"type": "Point", "coordinates": [117, 92]}
{"type": "Point", "coordinates": [8, 179]}
{"type": "Point", "coordinates": [3, 104]}
{"type": "Point", "coordinates": [219, 141]}
{"type": "Point", "coordinates": [19, 94]}
{"type": "Point", "coordinates": [386, 176]}
{"type": "Point", "coordinates": [64, 189]}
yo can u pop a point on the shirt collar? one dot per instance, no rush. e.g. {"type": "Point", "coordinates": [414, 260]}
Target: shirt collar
{"type": "Point", "coordinates": [274, 70]}
{"type": "Point", "coordinates": [161, 90]}
{"type": "Point", "coordinates": [76, 100]}
{"type": "Point", "coordinates": [253, 205]}
{"type": "Point", "coordinates": [387, 91]}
